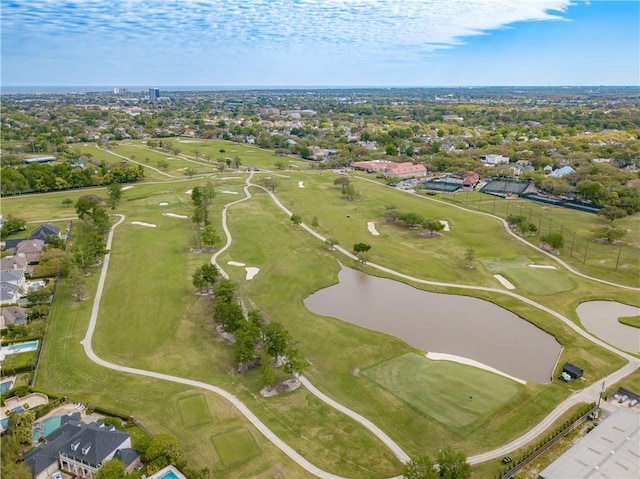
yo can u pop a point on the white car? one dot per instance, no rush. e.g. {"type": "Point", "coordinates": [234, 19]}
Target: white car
{"type": "Point", "coordinates": [57, 475]}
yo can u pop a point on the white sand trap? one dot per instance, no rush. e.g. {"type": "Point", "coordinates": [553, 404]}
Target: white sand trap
{"type": "Point", "coordinates": [300, 184]}
{"type": "Point", "coordinates": [182, 169]}
{"type": "Point", "coordinates": [229, 177]}
{"type": "Point", "coordinates": [445, 223]}
{"type": "Point", "coordinates": [173, 215]}
{"type": "Point", "coordinates": [125, 188]}
{"type": "Point", "coordinates": [230, 192]}
{"type": "Point", "coordinates": [371, 226]}
{"type": "Point", "coordinates": [251, 272]}
{"type": "Point", "coordinates": [188, 192]}
{"type": "Point", "coordinates": [284, 176]}
{"type": "Point", "coordinates": [235, 263]}
{"type": "Point", "coordinates": [142, 223]}
{"type": "Point", "coordinates": [542, 266]}
{"type": "Point", "coordinates": [471, 362]}
{"type": "Point", "coordinates": [163, 203]}
{"type": "Point", "coordinates": [504, 281]}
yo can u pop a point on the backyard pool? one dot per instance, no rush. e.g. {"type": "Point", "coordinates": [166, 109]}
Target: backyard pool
{"type": "Point", "coordinates": [46, 427]}
{"type": "Point", "coordinates": [5, 386]}
{"type": "Point", "coordinates": [20, 348]}
{"type": "Point", "coordinates": [4, 423]}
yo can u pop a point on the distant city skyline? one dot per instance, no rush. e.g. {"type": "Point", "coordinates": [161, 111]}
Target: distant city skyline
{"type": "Point", "coordinates": [330, 43]}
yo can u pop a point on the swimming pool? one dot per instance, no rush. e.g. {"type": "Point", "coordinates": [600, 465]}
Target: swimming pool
{"type": "Point", "coordinates": [4, 423]}
{"type": "Point", "coordinates": [21, 347]}
{"type": "Point", "coordinates": [49, 425]}
{"type": "Point", "coordinates": [169, 475]}
{"type": "Point", "coordinates": [5, 386]}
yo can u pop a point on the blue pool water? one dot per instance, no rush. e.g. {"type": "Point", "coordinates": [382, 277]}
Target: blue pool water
{"type": "Point", "coordinates": [169, 475]}
{"type": "Point", "coordinates": [49, 425]}
{"type": "Point", "coordinates": [5, 386]}
{"type": "Point", "coordinates": [30, 346]}
{"type": "Point", "coordinates": [5, 423]}
{"type": "Point", "coordinates": [17, 409]}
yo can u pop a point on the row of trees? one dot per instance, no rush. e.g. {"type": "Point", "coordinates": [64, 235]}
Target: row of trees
{"type": "Point", "coordinates": [412, 220]}
{"type": "Point", "coordinates": [449, 464]}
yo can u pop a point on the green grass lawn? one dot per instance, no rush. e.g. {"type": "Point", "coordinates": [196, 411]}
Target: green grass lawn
{"type": "Point", "coordinates": [151, 319]}
{"type": "Point", "coordinates": [633, 321]}
{"type": "Point", "coordinates": [20, 360]}
{"type": "Point", "coordinates": [538, 281]}
{"type": "Point", "coordinates": [235, 446]}
{"type": "Point", "coordinates": [459, 397]}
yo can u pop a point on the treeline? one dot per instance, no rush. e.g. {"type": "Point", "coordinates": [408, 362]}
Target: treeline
{"type": "Point", "coordinates": [38, 177]}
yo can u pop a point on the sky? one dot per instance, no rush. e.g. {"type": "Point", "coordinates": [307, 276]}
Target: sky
{"type": "Point", "coordinates": [350, 43]}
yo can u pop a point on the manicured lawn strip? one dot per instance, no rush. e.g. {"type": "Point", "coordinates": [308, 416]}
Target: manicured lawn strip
{"type": "Point", "coordinates": [193, 409]}
{"type": "Point", "coordinates": [20, 360]}
{"type": "Point", "coordinates": [164, 326]}
{"type": "Point", "coordinates": [338, 360]}
{"type": "Point", "coordinates": [66, 370]}
{"type": "Point", "coordinates": [455, 395]}
{"type": "Point", "coordinates": [633, 321]}
{"type": "Point", "coordinates": [235, 446]}
{"type": "Point", "coordinates": [538, 281]}
{"type": "Point", "coordinates": [177, 164]}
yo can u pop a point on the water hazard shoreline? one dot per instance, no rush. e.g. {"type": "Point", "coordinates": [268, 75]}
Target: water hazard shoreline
{"type": "Point", "coordinates": [447, 323]}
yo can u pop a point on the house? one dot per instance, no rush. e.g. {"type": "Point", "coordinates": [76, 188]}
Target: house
{"type": "Point", "coordinates": [42, 231]}
{"type": "Point", "coordinates": [15, 263]}
{"type": "Point", "coordinates": [30, 249]}
{"type": "Point", "coordinates": [13, 315]}
{"type": "Point", "coordinates": [81, 449]}
{"type": "Point", "coordinates": [12, 283]}
{"type": "Point", "coordinates": [572, 370]}
{"type": "Point", "coordinates": [372, 166]}
{"type": "Point", "coordinates": [493, 160]}
{"type": "Point", "coordinates": [405, 170]}
{"type": "Point", "coordinates": [560, 172]}
{"type": "Point", "coordinates": [471, 179]}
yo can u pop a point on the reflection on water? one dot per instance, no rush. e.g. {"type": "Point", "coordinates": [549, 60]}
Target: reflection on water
{"type": "Point", "coordinates": [601, 318]}
{"type": "Point", "coordinates": [468, 327]}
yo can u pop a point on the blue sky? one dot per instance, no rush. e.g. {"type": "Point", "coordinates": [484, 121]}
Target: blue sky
{"type": "Point", "coordinates": [320, 42]}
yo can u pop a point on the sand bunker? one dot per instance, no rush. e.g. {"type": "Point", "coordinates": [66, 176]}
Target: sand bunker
{"type": "Point", "coordinates": [125, 188]}
{"type": "Point", "coordinates": [173, 215]}
{"type": "Point", "coordinates": [542, 266]}
{"type": "Point", "coordinates": [188, 192]}
{"type": "Point", "coordinates": [251, 272]}
{"type": "Point", "coordinates": [445, 224]}
{"type": "Point", "coordinates": [230, 192]}
{"type": "Point", "coordinates": [371, 226]}
{"type": "Point", "coordinates": [235, 263]}
{"type": "Point", "coordinates": [504, 281]}
{"type": "Point", "coordinates": [142, 223]}
{"type": "Point", "coordinates": [300, 184]}
{"type": "Point", "coordinates": [470, 362]}
{"type": "Point", "coordinates": [163, 203]}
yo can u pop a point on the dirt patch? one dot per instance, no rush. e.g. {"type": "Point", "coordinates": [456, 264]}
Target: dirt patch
{"type": "Point", "coordinates": [224, 335]}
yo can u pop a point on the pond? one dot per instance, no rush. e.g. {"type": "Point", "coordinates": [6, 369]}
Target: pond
{"type": "Point", "coordinates": [601, 319]}
{"type": "Point", "coordinates": [442, 323]}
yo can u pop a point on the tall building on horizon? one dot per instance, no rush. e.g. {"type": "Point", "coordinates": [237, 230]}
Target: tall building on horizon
{"type": "Point", "coordinates": [154, 94]}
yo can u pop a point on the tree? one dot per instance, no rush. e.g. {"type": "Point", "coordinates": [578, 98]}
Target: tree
{"type": "Point", "coordinates": [198, 280]}
{"type": "Point", "coordinates": [361, 247]}
{"type": "Point", "coordinates": [277, 339]}
{"type": "Point", "coordinates": [163, 164]}
{"type": "Point", "coordinates": [209, 273]}
{"type": "Point", "coordinates": [421, 467]}
{"type": "Point", "coordinates": [114, 192]}
{"type": "Point", "coordinates": [221, 165]}
{"type": "Point", "coordinates": [229, 315]}
{"type": "Point", "coordinates": [225, 291]}
{"type": "Point", "coordinates": [67, 202]}
{"type": "Point", "coordinates": [111, 469]}
{"type": "Point", "coordinates": [609, 233]}
{"type": "Point", "coordinates": [255, 317]}
{"type": "Point", "coordinates": [209, 236]}
{"type": "Point", "coordinates": [86, 205]}
{"type": "Point", "coordinates": [266, 369]}
{"type": "Point", "coordinates": [363, 258]}
{"type": "Point", "coordinates": [162, 451]}
{"type": "Point", "coordinates": [296, 219]}
{"type": "Point", "coordinates": [247, 336]}
{"type": "Point", "coordinates": [295, 363]}
{"type": "Point", "coordinates": [280, 165]}
{"type": "Point", "coordinates": [348, 191]}
{"type": "Point", "coordinates": [612, 213]}
{"type": "Point", "coordinates": [269, 183]}
{"type": "Point", "coordinates": [20, 425]}
{"type": "Point", "coordinates": [433, 226]}
{"type": "Point", "coordinates": [470, 256]}
{"type": "Point", "coordinates": [554, 240]}
{"type": "Point", "coordinates": [77, 282]}
{"type": "Point", "coordinates": [12, 224]}
{"type": "Point", "coordinates": [314, 222]}
{"type": "Point", "coordinates": [412, 220]}
{"type": "Point", "coordinates": [330, 244]}
{"type": "Point", "coordinates": [38, 296]}
{"type": "Point", "coordinates": [342, 180]}
{"type": "Point", "coordinates": [189, 171]}
{"type": "Point", "coordinates": [453, 464]}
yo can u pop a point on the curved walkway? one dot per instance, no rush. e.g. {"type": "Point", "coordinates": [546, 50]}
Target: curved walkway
{"type": "Point", "coordinates": [588, 394]}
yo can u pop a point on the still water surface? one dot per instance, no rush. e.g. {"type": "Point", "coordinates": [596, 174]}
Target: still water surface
{"type": "Point", "coordinates": [601, 319]}
{"type": "Point", "coordinates": [443, 323]}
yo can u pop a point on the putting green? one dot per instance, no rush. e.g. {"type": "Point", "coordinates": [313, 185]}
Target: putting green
{"type": "Point", "coordinates": [193, 410]}
{"type": "Point", "coordinates": [540, 281]}
{"type": "Point", "coordinates": [235, 446]}
{"type": "Point", "coordinates": [459, 397]}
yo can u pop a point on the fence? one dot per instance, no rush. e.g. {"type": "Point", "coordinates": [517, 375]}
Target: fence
{"type": "Point", "coordinates": [618, 257]}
